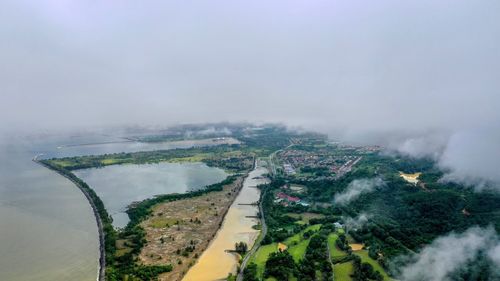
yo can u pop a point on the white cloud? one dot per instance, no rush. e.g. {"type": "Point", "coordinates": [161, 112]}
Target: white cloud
{"type": "Point", "coordinates": [447, 254]}
{"type": "Point", "coordinates": [356, 188]}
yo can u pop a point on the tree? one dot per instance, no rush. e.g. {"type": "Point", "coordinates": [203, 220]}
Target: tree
{"type": "Point", "coordinates": [250, 273]}
{"type": "Point", "coordinates": [241, 247]}
{"type": "Point", "coordinates": [279, 265]}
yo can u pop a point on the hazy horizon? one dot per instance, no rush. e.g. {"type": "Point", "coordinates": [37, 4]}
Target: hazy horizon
{"type": "Point", "coordinates": [419, 76]}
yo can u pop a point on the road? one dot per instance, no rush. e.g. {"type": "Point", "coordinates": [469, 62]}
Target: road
{"type": "Point", "coordinates": [271, 159]}
{"type": "Point", "coordinates": [330, 259]}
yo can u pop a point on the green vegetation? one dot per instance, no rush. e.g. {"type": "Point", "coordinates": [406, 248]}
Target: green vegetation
{"type": "Point", "coordinates": [316, 264]}
{"type": "Point", "coordinates": [363, 254]}
{"type": "Point", "coordinates": [403, 217]}
{"type": "Point", "coordinates": [260, 257]}
{"type": "Point", "coordinates": [250, 273]}
{"type": "Point", "coordinates": [124, 264]}
{"type": "Point", "coordinates": [297, 251]}
{"type": "Point", "coordinates": [335, 252]}
{"type": "Point", "coordinates": [280, 265]}
{"type": "Point", "coordinates": [228, 157]}
{"type": "Point", "coordinates": [122, 248]}
{"type": "Point", "coordinates": [343, 271]}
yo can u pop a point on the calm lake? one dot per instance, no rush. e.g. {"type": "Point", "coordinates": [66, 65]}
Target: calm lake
{"type": "Point", "coordinates": [47, 229]}
{"type": "Point", "coordinates": [120, 185]}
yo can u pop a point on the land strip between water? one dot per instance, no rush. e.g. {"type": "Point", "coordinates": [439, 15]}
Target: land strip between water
{"type": "Point", "coordinates": [118, 262]}
{"type": "Point", "coordinates": [179, 231]}
{"type": "Point", "coordinates": [85, 190]}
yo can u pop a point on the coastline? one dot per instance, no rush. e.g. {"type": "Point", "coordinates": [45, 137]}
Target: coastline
{"type": "Point", "coordinates": [102, 253]}
{"type": "Point", "coordinates": [101, 276]}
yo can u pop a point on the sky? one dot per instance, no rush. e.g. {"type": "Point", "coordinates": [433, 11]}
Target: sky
{"type": "Point", "coordinates": [421, 77]}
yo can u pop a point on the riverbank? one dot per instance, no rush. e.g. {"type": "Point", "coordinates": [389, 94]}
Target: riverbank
{"type": "Point", "coordinates": [83, 189]}
{"type": "Point", "coordinates": [178, 232]}
{"type": "Point", "coordinates": [217, 262]}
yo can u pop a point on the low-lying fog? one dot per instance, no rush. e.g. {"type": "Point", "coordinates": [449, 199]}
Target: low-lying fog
{"type": "Point", "coordinates": [420, 77]}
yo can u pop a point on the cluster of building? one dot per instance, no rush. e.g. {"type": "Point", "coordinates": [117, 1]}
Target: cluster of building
{"type": "Point", "coordinates": [288, 168]}
{"type": "Point", "coordinates": [361, 149]}
{"type": "Point", "coordinates": [333, 165]}
{"type": "Point", "coordinates": [347, 167]}
{"type": "Point", "coordinates": [286, 200]}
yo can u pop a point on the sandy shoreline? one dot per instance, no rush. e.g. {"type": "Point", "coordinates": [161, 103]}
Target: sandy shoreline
{"type": "Point", "coordinates": [216, 263]}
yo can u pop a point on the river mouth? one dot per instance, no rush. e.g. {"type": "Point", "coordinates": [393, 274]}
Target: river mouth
{"type": "Point", "coordinates": [216, 263]}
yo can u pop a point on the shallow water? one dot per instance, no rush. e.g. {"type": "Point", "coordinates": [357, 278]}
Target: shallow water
{"type": "Point", "coordinates": [120, 185]}
{"type": "Point", "coordinates": [215, 263]}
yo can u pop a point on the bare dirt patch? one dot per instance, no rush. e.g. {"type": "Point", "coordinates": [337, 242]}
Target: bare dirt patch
{"type": "Point", "coordinates": [306, 217]}
{"type": "Point", "coordinates": [179, 231]}
{"type": "Point", "coordinates": [356, 246]}
{"type": "Point", "coordinates": [411, 178]}
{"type": "Point", "coordinates": [282, 247]}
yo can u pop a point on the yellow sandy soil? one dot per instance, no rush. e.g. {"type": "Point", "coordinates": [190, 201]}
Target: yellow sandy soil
{"type": "Point", "coordinates": [184, 223]}
{"type": "Point", "coordinates": [282, 247]}
{"type": "Point", "coordinates": [216, 262]}
{"type": "Point", "coordinates": [356, 246]}
{"type": "Point", "coordinates": [411, 178]}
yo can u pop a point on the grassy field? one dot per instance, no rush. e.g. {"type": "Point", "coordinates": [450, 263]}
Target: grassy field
{"type": "Point", "coordinates": [363, 254]}
{"type": "Point", "coordinates": [342, 271]}
{"type": "Point", "coordinates": [298, 251]}
{"type": "Point", "coordinates": [305, 217]}
{"type": "Point", "coordinates": [161, 222]}
{"type": "Point", "coordinates": [298, 237]}
{"type": "Point", "coordinates": [296, 244]}
{"type": "Point", "coordinates": [261, 255]}
{"type": "Point", "coordinates": [335, 252]}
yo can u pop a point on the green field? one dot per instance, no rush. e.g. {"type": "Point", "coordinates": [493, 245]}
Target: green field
{"type": "Point", "coordinates": [261, 256]}
{"type": "Point", "coordinates": [297, 251]}
{"type": "Point", "coordinates": [335, 252]}
{"type": "Point", "coordinates": [305, 217]}
{"type": "Point", "coordinates": [343, 271]}
{"type": "Point", "coordinates": [363, 254]}
{"type": "Point", "coordinates": [296, 244]}
{"type": "Point", "coordinates": [298, 237]}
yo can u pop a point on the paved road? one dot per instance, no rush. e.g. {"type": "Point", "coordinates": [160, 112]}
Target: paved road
{"type": "Point", "coordinates": [330, 258]}
{"type": "Point", "coordinates": [271, 159]}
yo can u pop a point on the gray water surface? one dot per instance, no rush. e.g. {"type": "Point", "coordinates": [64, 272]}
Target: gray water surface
{"type": "Point", "coordinates": [47, 228]}
{"type": "Point", "coordinates": [120, 185]}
